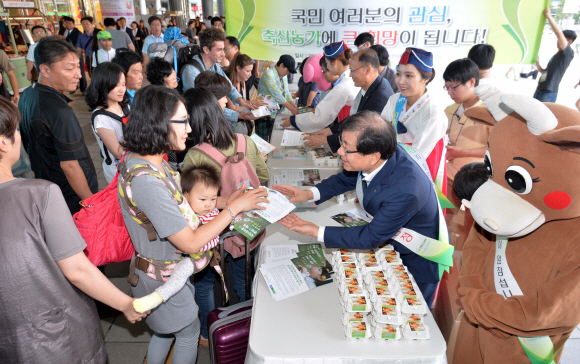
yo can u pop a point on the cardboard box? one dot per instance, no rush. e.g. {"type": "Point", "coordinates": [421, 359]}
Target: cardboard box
{"type": "Point", "coordinates": [448, 312]}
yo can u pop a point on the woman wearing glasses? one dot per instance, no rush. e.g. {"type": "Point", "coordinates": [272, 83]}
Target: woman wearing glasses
{"type": "Point", "coordinates": [158, 125]}
{"type": "Point", "coordinates": [337, 58]}
{"type": "Point", "coordinates": [416, 117]}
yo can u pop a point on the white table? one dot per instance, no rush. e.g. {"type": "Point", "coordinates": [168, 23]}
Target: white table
{"type": "Point", "coordinates": [324, 173]}
{"type": "Point", "coordinates": [307, 328]}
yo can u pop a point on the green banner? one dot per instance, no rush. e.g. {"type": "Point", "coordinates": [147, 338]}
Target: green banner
{"type": "Point", "coordinates": [448, 28]}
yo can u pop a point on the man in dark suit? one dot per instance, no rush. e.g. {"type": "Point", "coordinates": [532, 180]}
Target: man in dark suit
{"type": "Point", "coordinates": [71, 35]}
{"type": "Point", "coordinates": [373, 95]}
{"type": "Point", "coordinates": [128, 30]}
{"type": "Point", "coordinates": [391, 187]}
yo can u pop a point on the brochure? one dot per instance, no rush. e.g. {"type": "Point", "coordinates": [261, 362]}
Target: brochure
{"type": "Point", "coordinates": [293, 269]}
{"type": "Point", "coordinates": [252, 222]}
{"type": "Point", "coordinates": [263, 146]}
{"type": "Point", "coordinates": [283, 279]}
{"type": "Point", "coordinates": [292, 138]}
{"type": "Point", "coordinates": [289, 154]}
{"type": "Point", "coordinates": [350, 218]}
{"type": "Point", "coordinates": [297, 177]}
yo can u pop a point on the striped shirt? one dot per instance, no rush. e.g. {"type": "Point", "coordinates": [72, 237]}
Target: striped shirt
{"type": "Point", "coordinates": [204, 220]}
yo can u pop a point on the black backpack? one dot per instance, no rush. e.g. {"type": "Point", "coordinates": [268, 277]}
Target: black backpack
{"type": "Point", "coordinates": [122, 120]}
{"type": "Point", "coordinates": [185, 58]}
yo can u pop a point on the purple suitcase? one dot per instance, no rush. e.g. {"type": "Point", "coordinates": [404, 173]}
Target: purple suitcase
{"type": "Point", "coordinates": [229, 331]}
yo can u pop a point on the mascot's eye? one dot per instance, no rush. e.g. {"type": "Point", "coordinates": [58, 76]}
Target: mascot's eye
{"type": "Point", "coordinates": [519, 180]}
{"type": "Point", "coordinates": [487, 161]}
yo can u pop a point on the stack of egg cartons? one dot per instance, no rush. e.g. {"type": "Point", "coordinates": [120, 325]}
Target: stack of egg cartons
{"type": "Point", "coordinates": [331, 161]}
{"type": "Point", "coordinates": [393, 304]}
{"type": "Point", "coordinates": [354, 298]}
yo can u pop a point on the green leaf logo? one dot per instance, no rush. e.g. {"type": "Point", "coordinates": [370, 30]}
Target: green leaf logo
{"type": "Point", "coordinates": [249, 11]}
{"type": "Point", "coordinates": [511, 13]}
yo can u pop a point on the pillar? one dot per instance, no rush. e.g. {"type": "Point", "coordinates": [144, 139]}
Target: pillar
{"type": "Point", "coordinates": [221, 8]}
{"type": "Point", "coordinates": [142, 7]}
{"type": "Point", "coordinates": [207, 7]}
{"type": "Point", "coordinates": [157, 5]}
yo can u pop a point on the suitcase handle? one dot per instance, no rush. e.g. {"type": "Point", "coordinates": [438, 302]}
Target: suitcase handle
{"type": "Point", "coordinates": [233, 308]}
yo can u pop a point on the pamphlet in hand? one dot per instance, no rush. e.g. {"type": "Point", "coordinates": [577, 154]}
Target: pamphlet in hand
{"type": "Point", "coordinates": [297, 177]}
{"type": "Point", "coordinates": [252, 222]}
{"type": "Point", "coordinates": [299, 153]}
{"type": "Point", "coordinates": [292, 138]}
{"type": "Point", "coordinates": [350, 218]}
{"type": "Point", "coordinates": [263, 146]}
{"type": "Point", "coordinates": [271, 103]}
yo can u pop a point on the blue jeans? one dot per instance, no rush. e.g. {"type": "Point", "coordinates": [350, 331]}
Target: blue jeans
{"type": "Point", "coordinates": [545, 96]}
{"type": "Point", "coordinates": [204, 282]}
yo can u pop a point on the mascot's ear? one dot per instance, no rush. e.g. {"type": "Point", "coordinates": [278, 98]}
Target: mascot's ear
{"type": "Point", "coordinates": [480, 114]}
{"type": "Point", "coordinates": [567, 138]}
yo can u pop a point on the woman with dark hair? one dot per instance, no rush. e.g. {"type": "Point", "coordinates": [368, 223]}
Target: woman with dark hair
{"type": "Point", "coordinates": [210, 126]}
{"type": "Point", "coordinates": [95, 45]}
{"type": "Point", "coordinates": [217, 84]}
{"type": "Point", "coordinates": [159, 124]}
{"type": "Point", "coordinates": [47, 311]}
{"type": "Point", "coordinates": [161, 73]}
{"type": "Point", "coordinates": [107, 96]}
{"type": "Point", "coordinates": [336, 104]}
{"type": "Point", "coordinates": [418, 119]}
{"type": "Point", "coordinates": [138, 35]}
{"type": "Point", "coordinates": [220, 87]}
{"type": "Point", "coordinates": [143, 28]}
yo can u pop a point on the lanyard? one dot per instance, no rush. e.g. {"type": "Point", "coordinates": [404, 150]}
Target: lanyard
{"type": "Point", "coordinates": [540, 350]}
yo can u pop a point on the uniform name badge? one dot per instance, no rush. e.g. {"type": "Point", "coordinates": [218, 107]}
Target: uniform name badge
{"type": "Point", "coordinates": [540, 350]}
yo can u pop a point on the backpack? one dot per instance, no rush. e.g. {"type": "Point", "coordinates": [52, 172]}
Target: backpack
{"type": "Point", "coordinates": [122, 120]}
{"type": "Point", "coordinates": [235, 171]}
{"type": "Point", "coordinates": [167, 51]}
{"type": "Point", "coordinates": [185, 58]}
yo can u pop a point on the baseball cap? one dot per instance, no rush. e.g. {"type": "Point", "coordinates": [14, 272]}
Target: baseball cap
{"type": "Point", "coordinates": [103, 34]}
{"type": "Point", "coordinates": [289, 62]}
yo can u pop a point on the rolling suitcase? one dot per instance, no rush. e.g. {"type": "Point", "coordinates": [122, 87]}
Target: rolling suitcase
{"type": "Point", "coordinates": [229, 331]}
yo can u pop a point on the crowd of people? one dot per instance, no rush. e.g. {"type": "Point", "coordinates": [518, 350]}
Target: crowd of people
{"type": "Point", "coordinates": [176, 124]}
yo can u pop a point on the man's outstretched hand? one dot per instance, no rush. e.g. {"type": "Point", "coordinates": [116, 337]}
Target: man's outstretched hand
{"type": "Point", "coordinates": [294, 223]}
{"type": "Point", "coordinates": [294, 193]}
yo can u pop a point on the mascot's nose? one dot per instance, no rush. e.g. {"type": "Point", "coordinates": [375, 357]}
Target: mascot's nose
{"type": "Point", "coordinates": [503, 212]}
{"type": "Point", "coordinates": [491, 224]}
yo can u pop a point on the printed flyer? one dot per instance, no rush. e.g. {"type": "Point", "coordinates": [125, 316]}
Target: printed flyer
{"type": "Point", "coordinates": [350, 218]}
{"type": "Point", "coordinates": [252, 222]}
{"type": "Point", "coordinates": [297, 177]}
{"type": "Point", "coordinates": [263, 146]}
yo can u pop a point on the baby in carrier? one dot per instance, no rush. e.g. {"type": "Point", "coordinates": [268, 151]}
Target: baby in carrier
{"type": "Point", "coordinates": [200, 186]}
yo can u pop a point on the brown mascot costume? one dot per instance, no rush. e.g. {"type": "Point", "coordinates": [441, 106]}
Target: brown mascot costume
{"type": "Point", "coordinates": [520, 281]}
